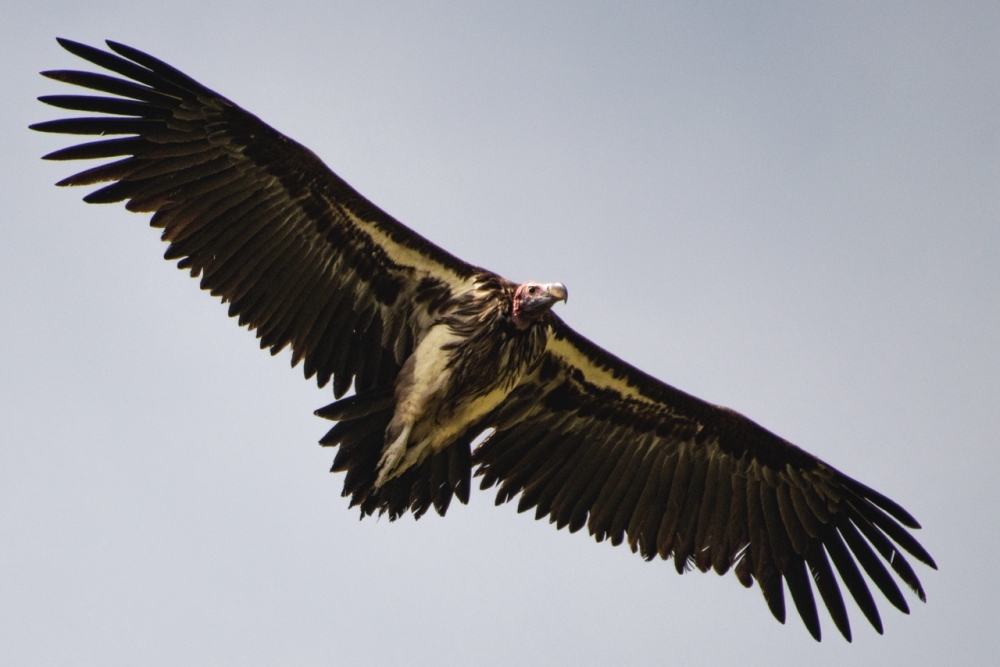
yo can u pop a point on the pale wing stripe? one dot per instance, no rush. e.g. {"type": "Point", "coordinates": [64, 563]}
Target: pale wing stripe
{"type": "Point", "coordinates": [595, 375]}
{"type": "Point", "coordinates": [408, 256]}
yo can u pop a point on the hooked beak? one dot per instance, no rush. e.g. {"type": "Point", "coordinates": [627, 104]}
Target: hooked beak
{"type": "Point", "coordinates": [557, 292]}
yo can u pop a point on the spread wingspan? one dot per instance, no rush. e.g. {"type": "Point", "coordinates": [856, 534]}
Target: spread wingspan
{"type": "Point", "coordinates": [438, 351]}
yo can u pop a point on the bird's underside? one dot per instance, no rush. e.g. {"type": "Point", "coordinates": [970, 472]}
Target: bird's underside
{"type": "Point", "coordinates": [438, 351]}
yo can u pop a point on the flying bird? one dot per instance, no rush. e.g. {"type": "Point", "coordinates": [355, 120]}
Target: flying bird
{"type": "Point", "coordinates": [439, 352]}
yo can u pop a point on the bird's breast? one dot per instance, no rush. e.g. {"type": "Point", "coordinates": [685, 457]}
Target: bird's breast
{"type": "Point", "coordinates": [451, 382]}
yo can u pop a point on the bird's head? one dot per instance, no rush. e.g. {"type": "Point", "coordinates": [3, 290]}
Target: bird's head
{"type": "Point", "coordinates": [532, 300]}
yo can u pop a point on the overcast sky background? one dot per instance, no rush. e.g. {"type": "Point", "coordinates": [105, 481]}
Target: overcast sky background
{"type": "Point", "coordinates": [787, 208]}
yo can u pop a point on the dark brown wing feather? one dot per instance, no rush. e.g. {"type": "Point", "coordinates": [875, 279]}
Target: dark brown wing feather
{"type": "Point", "coordinates": [588, 440]}
{"type": "Point", "coordinates": [299, 254]}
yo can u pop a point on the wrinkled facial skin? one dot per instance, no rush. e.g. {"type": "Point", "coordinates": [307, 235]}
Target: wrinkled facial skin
{"type": "Point", "coordinates": [532, 300]}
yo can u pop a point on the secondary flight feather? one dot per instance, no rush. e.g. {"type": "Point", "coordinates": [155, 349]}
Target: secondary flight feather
{"type": "Point", "coordinates": [439, 351]}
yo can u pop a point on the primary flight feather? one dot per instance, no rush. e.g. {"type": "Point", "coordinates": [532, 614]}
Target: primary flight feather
{"type": "Point", "coordinates": [439, 351]}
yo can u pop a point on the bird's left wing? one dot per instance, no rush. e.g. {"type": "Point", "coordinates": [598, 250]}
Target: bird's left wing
{"type": "Point", "coordinates": [300, 256]}
{"type": "Point", "coordinates": [588, 440]}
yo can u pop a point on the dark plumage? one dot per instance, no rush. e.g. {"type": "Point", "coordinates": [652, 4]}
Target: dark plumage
{"type": "Point", "coordinates": [438, 351]}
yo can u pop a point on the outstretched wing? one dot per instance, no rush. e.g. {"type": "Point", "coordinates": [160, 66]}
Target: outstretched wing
{"type": "Point", "coordinates": [300, 256]}
{"type": "Point", "coordinates": [588, 440]}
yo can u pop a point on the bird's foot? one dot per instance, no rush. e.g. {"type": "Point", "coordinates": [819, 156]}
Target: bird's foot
{"type": "Point", "coordinates": [387, 466]}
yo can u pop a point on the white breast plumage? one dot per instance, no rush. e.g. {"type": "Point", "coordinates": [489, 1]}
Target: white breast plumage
{"type": "Point", "coordinates": [424, 422]}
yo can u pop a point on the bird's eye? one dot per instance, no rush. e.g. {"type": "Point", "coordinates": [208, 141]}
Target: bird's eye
{"type": "Point", "coordinates": [532, 290]}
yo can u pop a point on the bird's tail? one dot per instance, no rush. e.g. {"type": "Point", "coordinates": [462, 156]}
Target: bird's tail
{"type": "Point", "coordinates": [360, 434]}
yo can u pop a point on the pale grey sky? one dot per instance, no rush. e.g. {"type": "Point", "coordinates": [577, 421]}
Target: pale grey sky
{"type": "Point", "coordinates": [787, 208]}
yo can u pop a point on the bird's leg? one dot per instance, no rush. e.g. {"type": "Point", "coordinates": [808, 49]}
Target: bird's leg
{"type": "Point", "coordinates": [393, 454]}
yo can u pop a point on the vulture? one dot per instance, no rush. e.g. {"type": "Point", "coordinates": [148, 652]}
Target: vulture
{"type": "Point", "coordinates": [439, 352]}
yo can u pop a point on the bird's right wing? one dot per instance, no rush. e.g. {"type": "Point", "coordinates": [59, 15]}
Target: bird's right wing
{"type": "Point", "coordinates": [589, 440]}
{"type": "Point", "coordinates": [299, 255]}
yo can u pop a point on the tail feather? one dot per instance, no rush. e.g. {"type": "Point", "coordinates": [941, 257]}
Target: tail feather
{"type": "Point", "coordinates": [379, 399]}
{"type": "Point", "coordinates": [362, 420]}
